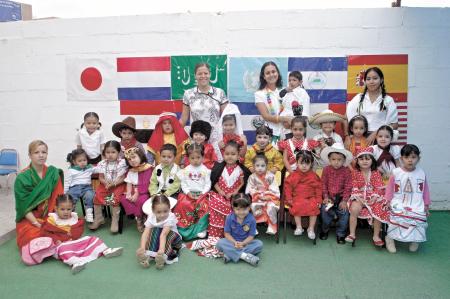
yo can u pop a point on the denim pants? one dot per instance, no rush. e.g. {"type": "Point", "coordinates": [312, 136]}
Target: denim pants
{"type": "Point", "coordinates": [82, 191]}
{"type": "Point", "coordinates": [328, 216]}
{"type": "Point", "coordinates": [224, 245]}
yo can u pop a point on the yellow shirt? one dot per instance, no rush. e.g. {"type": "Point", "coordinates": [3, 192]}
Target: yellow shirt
{"type": "Point", "coordinates": [273, 156]}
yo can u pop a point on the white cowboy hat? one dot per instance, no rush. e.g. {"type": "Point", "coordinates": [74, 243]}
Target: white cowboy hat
{"type": "Point", "coordinates": [336, 148]}
{"type": "Point", "coordinates": [147, 206]}
{"type": "Point", "coordinates": [324, 116]}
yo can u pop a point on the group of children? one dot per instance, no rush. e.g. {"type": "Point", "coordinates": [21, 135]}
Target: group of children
{"type": "Point", "coordinates": [181, 188]}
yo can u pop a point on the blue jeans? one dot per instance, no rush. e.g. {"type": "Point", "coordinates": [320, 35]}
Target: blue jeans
{"type": "Point", "coordinates": [82, 191]}
{"type": "Point", "coordinates": [224, 245]}
{"type": "Point", "coordinates": [328, 216]}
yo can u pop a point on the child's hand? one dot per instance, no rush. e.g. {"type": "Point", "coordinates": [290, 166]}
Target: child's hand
{"type": "Point", "coordinates": [161, 251]}
{"type": "Point", "coordinates": [325, 201]}
{"type": "Point", "coordinates": [134, 197]}
{"type": "Point", "coordinates": [221, 144]}
{"type": "Point", "coordinates": [343, 206]}
{"type": "Point", "coordinates": [274, 170]}
{"type": "Point", "coordinates": [128, 196]}
{"type": "Point", "coordinates": [238, 245]}
{"type": "Point", "coordinates": [140, 251]}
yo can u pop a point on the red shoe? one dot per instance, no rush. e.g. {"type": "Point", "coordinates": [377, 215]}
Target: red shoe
{"type": "Point", "coordinates": [379, 243]}
{"type": "Point", "coordinates": [350, 239]}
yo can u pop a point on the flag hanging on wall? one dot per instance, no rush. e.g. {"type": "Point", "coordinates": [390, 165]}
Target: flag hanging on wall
{"type": "Point", "coordinates": [395, 71]}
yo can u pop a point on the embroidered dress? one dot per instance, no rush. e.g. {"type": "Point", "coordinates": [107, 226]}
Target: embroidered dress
{"type": "Point", "coordinates": [111, 171]}
{"type": "Point", "coordinates": [370, 194]}
{"type": "Point", "coordinates": [303, 191]}
{"type": "Point", "coordinates": [274, 157]}
{"type": "Point", "coordinates": [292, 145]}
{"type": "Point", "coordinates": [408, 194]}
{"type": "Point", "coordinates": [173, 239]}
{"type": "Point", "coordinates": [209, 156]}
{"type": "Point", "coordinates": [265, 198]}
{"type": "Point", "coordinates": [165, 180]}
{"type": "Point", "coordinates": [192, 214]}
{"type": "Point", "coordinates": [139, 178]}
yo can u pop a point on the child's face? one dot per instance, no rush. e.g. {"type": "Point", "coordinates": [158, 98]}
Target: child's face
{"type": "Point", "coordinates": [81, 161]}
{"type": "Point", "coordinates": [167, 157]}
{"type": "Point", "coordinates": [38, 156]}
{"type": "Point", "coordinates": [64, 210]}
{"type": "Point", "coordinates": [298, 130]}
{"type": "Point", "coordinates": [167, 127]}
{"type": "Point", "coordinates": [303, 166]}
{"type": "Point", "coordinates": [126, 134]}
{"type": "Point", "coordinates": [91, 124]}
{"type": "Point", "coordinates": [134, 160]}
{"type": "Point", "coordinates": [198, 137]}
{"type": "Point", "coordinates": [228, 126]}
{"type": "Point", "coordinates": [195, 159]}
{"type": "Point", "coordinates": [328, 127]}
{"type": "Point", "coordinates": [336, 160]}
{"type": "Point", "coordinates": [230, 155]}
{"type": "Point", "coordinates": [241, 213]}
{"type": "Point", "coordinates": [260, 166]}
{"type": "Point", "coordinates": [294, 82]}
{"type": "Point", "coordinates": [262, 141]}
{"type": "Point", "coordinates": [410, 162]}
{"type": "Point", "coordinates": [270, 74]}
{"type": "Point", "coordinates": [358, 128]}
{"type": "Point", "coordinates": [111, 154]}
{"type": "Point", "coordinates": [383, 138]}
{"type": "Point", "coordinates": [373, 81]}
{"type": "Point", "coordinates": [365, 162]}
{"type": "Point", "coordinates": [161, 211]}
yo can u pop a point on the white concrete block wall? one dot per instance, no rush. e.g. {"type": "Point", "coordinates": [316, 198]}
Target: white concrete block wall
{"type": "Point", "coordinates": [33, 102]}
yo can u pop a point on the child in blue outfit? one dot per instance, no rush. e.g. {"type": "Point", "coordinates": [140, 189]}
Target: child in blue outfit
{"type": "Point", "coordinates": [240, 230]}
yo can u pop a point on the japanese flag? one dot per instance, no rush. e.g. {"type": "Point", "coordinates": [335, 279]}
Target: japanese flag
{"type": "Point", "coordinates": [91, 79]}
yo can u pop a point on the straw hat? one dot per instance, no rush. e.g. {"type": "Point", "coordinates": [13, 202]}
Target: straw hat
{"type": "Point", "coordinates": [324, 116]}
{"type": "Point", "coordinates": [336, 148]}
{"type": "Point", "coordinates": [147, 206]}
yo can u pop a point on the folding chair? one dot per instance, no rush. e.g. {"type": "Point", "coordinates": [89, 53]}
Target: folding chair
{"type": "Point", "coordinates": [9, 163]}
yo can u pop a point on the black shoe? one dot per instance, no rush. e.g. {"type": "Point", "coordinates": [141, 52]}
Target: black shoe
{"type": "Point", "coordinates": [340, 240]}
{"type": "Point", "coordinates": [323, 235]}
{"type": "Point", "coordinates": [226, 259]}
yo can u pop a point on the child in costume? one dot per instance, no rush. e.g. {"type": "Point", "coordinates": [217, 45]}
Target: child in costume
{"type": "Point", "coordinates": [160, 240]}
{"type": "Point", "coordinates": [192, 207]}
{"type": "Point", "coordinates": [126, 131]}
{"type": "Point", "coordinates": [91, 138]}
{"type": "Point", "coordinates": [409, 198]}
{"type": "Point", "coordinates": [167, 131]}
{"type": "Point", "coordinates": [232, 130]}
{"type": "Point", "coordinates": [78, 181]}
{"type": "Point", "coordinates": [298, 142]}
{"type": "Point", "coordinates": [386, 154]}
{"type": "Point", "coordinates": [200, 133]}
{"type": "Point", "coordinates": [164, 178]}
{"type": "Point", "coordinates": [337, 187]}
{"type": "Point", "coordinates": [137, 180]}
{"type": "Point", "coordinates": [112, 171]}
{"type": "Point", "coordinates": [264, 146]}
{"type": "Point", "coordinates": [303, 192]}
{"type": "Point", "coordinates": [265, 194]}
{"type": "Point", "coordinates": [366, 200]}
{"type": "Point", "coordinates": [66, 229]}
{"type": "Point", "coordinates": [240, 231]}
{"type": "Point", "coordinates": [357, 133]}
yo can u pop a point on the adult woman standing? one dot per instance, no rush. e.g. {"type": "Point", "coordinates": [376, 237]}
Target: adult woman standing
{"type": "Point", "coordinates": [204, 102]}
{"type": "Point", "coordinates": [378, 108]}
{"type": "Point", "coordinates": [35, 189]}
{"type": "Point", "coordinates": [267, 98]}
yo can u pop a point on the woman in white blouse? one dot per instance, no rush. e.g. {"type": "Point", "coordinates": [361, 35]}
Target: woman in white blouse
{"type": "Point", "coordinates": [378, 108]}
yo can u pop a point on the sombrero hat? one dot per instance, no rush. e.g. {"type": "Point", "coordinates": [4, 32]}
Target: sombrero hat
{"type": "Point", "coordinates": [147, 206]}
{"type": "Point", "coordinates": [336, 148]}
{"type": "Point", "coordinates": [324, 116]}
{"type": "Point", "coordinates": [128, 123]}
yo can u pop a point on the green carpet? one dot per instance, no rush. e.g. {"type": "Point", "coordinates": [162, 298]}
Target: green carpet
{"type": "Point", "coordinates": [293, 270]}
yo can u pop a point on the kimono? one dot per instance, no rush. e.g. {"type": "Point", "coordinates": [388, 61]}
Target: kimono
{"type": "Point", "coordinates": [303, 192]}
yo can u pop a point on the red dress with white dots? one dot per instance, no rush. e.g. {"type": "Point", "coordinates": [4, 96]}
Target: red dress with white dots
{"type": "Point", "coordinates": [219, 206]}
{"type": "Point", "coordinates": [371, 194]}
{"type": "Point", "coordinates": [293, 144]}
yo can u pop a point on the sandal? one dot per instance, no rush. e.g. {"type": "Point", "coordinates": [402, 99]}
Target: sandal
{"type": "Point", "coordinates": [143, 259]}
{"type": "Point", "coordinates": [350, 239]}
{"type": "Point", "coordinates": [379, 243]}
{"type": "Point", "coordinates": [159, 260]}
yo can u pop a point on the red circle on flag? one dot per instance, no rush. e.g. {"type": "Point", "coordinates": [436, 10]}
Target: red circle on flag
{"type": "Point", "coordinates": [91, 79]}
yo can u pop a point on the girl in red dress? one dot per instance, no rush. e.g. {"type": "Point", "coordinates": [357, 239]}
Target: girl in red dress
{"type": "Point", "coordinates": [296, 143]}
{"type": "Point", "coordinates": [303, 192]}
{"type": "Point", "coordinates": [367, 201]}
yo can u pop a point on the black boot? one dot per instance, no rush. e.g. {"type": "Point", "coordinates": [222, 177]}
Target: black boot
{"type": "Point", "coordinates": [340, 240]}
{"type": "Point", "coordinates": [323, 235]}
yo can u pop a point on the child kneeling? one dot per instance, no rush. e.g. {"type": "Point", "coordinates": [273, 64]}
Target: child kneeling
{"type": "Point", "coordinates": [240, 230]}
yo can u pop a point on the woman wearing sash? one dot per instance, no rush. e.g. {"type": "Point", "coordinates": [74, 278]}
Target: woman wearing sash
{"type": "Point", "coordinates": [35, 189]}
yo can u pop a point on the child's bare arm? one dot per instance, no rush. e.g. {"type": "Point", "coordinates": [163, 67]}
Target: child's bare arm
{"type": "Point", "coordinates": [286, 161]}
{"type": "Point", "coordinates": [163, 238]}
{"type": "Point", "coordinates": [144, 237]}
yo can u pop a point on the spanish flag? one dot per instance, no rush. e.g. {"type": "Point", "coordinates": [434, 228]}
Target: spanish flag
{"type": "Point", "coordinates": [395, 70]}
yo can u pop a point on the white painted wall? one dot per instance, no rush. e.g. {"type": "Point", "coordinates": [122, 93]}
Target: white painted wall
{"type": "Point", "coordinates": [33, 100]}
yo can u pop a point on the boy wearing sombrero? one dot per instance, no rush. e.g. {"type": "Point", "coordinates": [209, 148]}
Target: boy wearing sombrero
{"type": "Point", "coordinates": [126, 131]}
{"type": "Point", "coordinates": [337, 187]}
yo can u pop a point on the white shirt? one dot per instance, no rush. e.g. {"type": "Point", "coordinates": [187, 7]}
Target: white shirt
{"type": "Point", "coordinates": [386, 168]}
{"type": "Point", "coordinates": [171, 222]}
{"type": "Point", "coordinates": [337, 138]}
{"type": "Point", "coordinates": [76, 176]}
{"type": "Point", "coordinates": [90, 143]}
{"type": "Point", "coordinates": [64, 222]}
{"type": "Point", "coordinates": [132, 178]}
{"type": "Point", "coordinates": [301, 96]}
{"type": "Point", "coordinates": [371, 111]}
{"type": "Point", "coordinates": [195, 179]}
{"type": "Point", "coordinates": [261, 97]}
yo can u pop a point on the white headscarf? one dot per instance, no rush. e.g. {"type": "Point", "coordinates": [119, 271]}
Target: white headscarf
{"type": "Point", "coordinates": [231, 109]}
